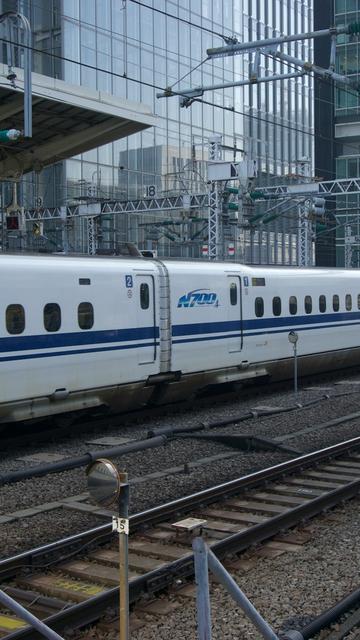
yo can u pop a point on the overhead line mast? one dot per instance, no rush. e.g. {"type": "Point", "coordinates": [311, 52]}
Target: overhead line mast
{"type": "Point", "coordinates": [266, 47]}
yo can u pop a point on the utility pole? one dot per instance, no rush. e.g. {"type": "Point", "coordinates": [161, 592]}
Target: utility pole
{"type": "Point", "coordinates": [216, 243]}
{"type": "Point", "coordinates": [348, 247]}
{"type": "Point", "coordinates": [92, 234]}
{"type": "Point", "coordinates": [304, 236]}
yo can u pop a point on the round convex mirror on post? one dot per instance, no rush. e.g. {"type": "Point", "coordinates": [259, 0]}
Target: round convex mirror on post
{"type": "Point", "coordinates": [103, 482]}
{"type": "Point", "coordinates": [109, 488]}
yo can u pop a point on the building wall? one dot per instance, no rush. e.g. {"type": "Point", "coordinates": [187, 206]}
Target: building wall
{"type": "Point", "coordinates": [347, 112]}
{"type": "Point", "coordinates": [325, 145]}
{"type": "Point", "coordinates": [134, 50]}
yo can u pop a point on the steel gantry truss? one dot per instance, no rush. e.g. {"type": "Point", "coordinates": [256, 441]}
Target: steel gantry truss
{"type": "Point", "coordinates": [345, 186]}
{"type": "Point", "coordinates": [304, 192]}
{"type": "Point", "coordinates": [305, 236]}
{"type": "Point", "coordinates": [215, 248]}
{"type": "Point", "coordinates": [144, 205]}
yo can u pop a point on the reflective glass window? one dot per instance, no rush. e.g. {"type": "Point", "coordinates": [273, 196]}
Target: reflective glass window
{"type": "Point", "coordinates": [233, 293]}
{"type": "Point", "coordinates": [322, 304]}
{"type": "Point", "coordinates": [85, 315]}
{"type": "Point", "coordinates": [308, 304]}
{"type": "Point", "coordinates": [358, 300]}
{"type": "Point", "coordinates": [348, 302]}
{"type": "Point", "coordinates": [276, 306]}
{"type": "Point", "coordinates": [15, 319]}
{"type": "Point", "coordinates": [293, 305]}
{"type": "Point", "coordinates": [144, 295]}
{"type": "Point", "coordinates": [259, 307]}
{"type": "Point", "coordinates": [336, 302]}
{"type": "Point", "coordinates": [52, 317]}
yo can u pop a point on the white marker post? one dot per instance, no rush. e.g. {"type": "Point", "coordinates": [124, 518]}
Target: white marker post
{"type": "Point", "coordinates": [293, 338]}
{"type": "Point", "coordinates": [109, 487]}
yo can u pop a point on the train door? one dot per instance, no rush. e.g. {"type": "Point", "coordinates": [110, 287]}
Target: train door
{"type": "Point", "coordinates": [233, 298]}
{"type": "Point", "coordinates": [146, 318]}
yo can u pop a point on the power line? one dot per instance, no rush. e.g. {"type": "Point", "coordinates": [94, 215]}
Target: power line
{"type": "Point", "coordinates": [326, 81]}
{"type": "Point", "coordinates": [188, 22]}
{"type": "Point", "coordinates": [125, 76]}
{"type": "Point", "coordinates": [141, 4]}
{"type": "Point", "coordinates": [125, 36]}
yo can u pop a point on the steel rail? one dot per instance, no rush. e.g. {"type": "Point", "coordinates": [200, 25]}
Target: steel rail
{"type": "Point", "coordinates": [46, 554]}
{"type": "Point", "coordinates": [93, 608]}
{"type": "Point", "coordinates": [252, 480]}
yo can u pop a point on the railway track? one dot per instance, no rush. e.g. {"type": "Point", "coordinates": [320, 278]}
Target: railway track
{"type": "Point", "coordinates": [17, 435]}
{"type": "Point", "coordinates": [74, 582]}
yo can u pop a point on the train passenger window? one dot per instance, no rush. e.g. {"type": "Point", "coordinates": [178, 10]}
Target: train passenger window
{"type": "Point", "coordinates": [322, 304]}
{"type": "Point", "coordinates": [336, 302]}
{"type": "Point", "coordinates": [52, 316]}
{"type": "Point", "coordinates": [358, 300]}
{"type": "Point", "coordinates": [85, 315]}
{"type": "Point", "coordinates": [15, 318]}
{"type": "Point", "coordinates": [144, 295]}
{"type": "Point", "coordinates": [293, 305]}
{"type": "Point", "coordinates": [259, 307]}
{"type": "Point", "coordinates": [276, 306]}
{"type": "Point", "coordinates": [233, 293]}
{"type": "Point", "coordinates": [308, 304]}
{"type": "Point", "coordinates": [348, 302]}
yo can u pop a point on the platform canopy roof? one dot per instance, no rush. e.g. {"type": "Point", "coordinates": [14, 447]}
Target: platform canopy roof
{"type": "Point", "coordinates": [67, 120]}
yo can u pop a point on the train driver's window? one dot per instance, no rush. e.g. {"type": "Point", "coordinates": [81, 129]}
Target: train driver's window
{"type": "Point", "coordinates": [144, 295]}
{"type": "Point", "coordinates": [358, 299]}
{"type": "Point", "coordinates": [85, 315]}
{"type": "Point", "coordinates": [259, 307]}
{"type": "Point", "coordinates": [15, 319]}
{"type": "Point", "coordinates": [322, 304]}
{"type": "Point", "coordinates": [52, 317]}
{"type": "Point", "coordinates": [336, 302]}
{"type": "Point", "coordinates": [348, 302]}
{"type": "Point", "coordinates": [276, 306]}
{"type": "Point", "coordinates": [233, 293]}
{"type": "Point", "coordinates": [293, 305]}
{"type": "Point", "coordinates": [308, 304]}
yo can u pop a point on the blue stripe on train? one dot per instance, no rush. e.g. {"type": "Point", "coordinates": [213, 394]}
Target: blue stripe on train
{"type": "Point", "coordinates": [247, 334]}
{"type": "Point", "coordinates": [184, 333]}
{"type": "Point", "coordinates": [72, 352]}
{"type": "Point", "coordinates": [78, 338]}
{"type": "Point", "coordinates": [266, 323]}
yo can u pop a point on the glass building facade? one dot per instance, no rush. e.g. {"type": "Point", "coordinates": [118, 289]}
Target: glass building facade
{"type": "Point", "coordinates": [347, 117]}
{"type": "Point", "coordinates": [134, 49]}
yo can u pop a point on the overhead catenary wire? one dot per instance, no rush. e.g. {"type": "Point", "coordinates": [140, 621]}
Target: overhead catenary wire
{"type": "Point", "coordinates": [125, 76]}
{"type": "Point", "coordinates": [214, 105]}
{"type": "Point", "coordinates": [219, 34]}
{"type": "Point", "coordinates": [232, 109]}
{"type": "Point", "coordinates": [201, 27]}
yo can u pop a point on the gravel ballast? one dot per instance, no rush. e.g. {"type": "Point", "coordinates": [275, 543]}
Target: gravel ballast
{"type": "Point", "coordinates": [288, 591]}
{"type": "Point", "coordinates": [53, 525]}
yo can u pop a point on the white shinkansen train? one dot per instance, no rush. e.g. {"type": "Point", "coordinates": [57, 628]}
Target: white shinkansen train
{"type": "Point", "coordinates": [78, 333]}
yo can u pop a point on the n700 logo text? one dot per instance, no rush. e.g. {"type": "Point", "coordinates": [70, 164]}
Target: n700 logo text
{"type": "Point", "coordinates": [199, 298]}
